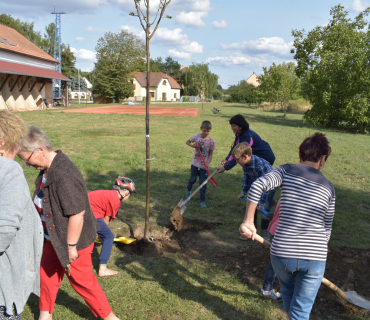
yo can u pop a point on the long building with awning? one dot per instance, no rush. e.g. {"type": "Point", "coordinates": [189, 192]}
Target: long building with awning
{"type": "Point", "coordinates": [26, 73]}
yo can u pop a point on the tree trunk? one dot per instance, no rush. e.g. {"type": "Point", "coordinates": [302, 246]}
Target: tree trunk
{"type": "Point", "coordinates": [146, 229]}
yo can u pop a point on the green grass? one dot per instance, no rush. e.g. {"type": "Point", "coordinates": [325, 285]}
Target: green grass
{"type": "Point", "coordinates": [176, 286]}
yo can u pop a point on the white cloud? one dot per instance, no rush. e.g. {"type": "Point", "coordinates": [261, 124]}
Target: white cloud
{"type": "Point", "coordinates": [84, 54]}
{"type": "Point", "coordinates": [192, 18]}
{"type": "Point", "coordinates": [274, 46]}
{"type": "Point", "coordinates": [95, 29]}
{"type": "Point", "coordinates": [359, 5]}
{"type": "Point", "coordinates": [191, 5]}
{"type": "Point", "coordinates": [81, 39]}
{"type": "Point", "coordinates": [136, 31]}
{"type": "Point", "coordinates": [170, 38]}
{"type": "Point", "coordinates": [236, 60]}
{"type": "Point", "coordinates": [179, 54]}
{"type": "Point", "coordinates": [219, 25]}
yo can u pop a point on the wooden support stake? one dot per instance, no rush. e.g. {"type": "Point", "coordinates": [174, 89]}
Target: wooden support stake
{"type": "Point", "coordinates": [15, 83]}
{"type": "Point", "coordinates": [27, 78]}
{"type": "Point", "coordinates": [43, 85]}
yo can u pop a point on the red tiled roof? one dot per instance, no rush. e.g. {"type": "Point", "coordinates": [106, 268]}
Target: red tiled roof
{"type": "Point", "coordinates": [21, 44]}
{"type": "Point", "coordinates": [155, 78]}
{"type": "Point", "coordinates": [21, 69]}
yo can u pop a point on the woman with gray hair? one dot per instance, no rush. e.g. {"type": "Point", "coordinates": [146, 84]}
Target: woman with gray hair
{"type": "Point", "coordinates": [69, 225]}
{"type": "Point", "coordinates": [21, 233]}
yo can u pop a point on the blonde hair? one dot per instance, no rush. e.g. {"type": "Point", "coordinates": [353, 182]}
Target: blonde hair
{"type": "Point", "coordinates": [35, 138]}
{"type": "Point", "coordinates": [12, 129]}
{"type": "Point", "coordinates": [206, 124]}
{"type": "Point", "coordinates": [242, 149]}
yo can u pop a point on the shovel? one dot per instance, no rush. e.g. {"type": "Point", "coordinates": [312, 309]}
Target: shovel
{"type": "Point", "coordinates": [176, 215]}
{"type": "Point", "coordinates": [349, 296]}
{"type": "Point", "coordinates": [212, 181]}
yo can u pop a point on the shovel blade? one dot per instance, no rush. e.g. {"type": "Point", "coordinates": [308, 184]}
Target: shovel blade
{"type": "Point", "coordinates": [357, 300]}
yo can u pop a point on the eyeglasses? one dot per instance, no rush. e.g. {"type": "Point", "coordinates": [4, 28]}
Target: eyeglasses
{"type": "Point", "coordinates": [237, 159]}
{"type": "Point", "coordinates": [29, 158]}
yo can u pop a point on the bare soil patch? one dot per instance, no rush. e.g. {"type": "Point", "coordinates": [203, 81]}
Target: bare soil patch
{"type": "Point", "coordinates": [140, 110]}
{"type": "Point", "coordinates": [348, 268]}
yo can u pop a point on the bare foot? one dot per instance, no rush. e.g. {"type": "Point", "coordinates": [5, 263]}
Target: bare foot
{"type": "Point", "coordinates": [111, 316]}
{"type": "Point", "coordinates": [45, 315]}
{"type": "Point", "coordinates": [105, 272]}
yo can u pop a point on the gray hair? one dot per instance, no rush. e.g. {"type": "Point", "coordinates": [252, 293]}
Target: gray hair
{"type": "Point", "coordinates": [35, 138]}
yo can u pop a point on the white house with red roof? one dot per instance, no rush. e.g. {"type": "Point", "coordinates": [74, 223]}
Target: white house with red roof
{"type": "Point", "coordinates": [162, 87]}
{"type": "Point", "coordinates": [26, 73]}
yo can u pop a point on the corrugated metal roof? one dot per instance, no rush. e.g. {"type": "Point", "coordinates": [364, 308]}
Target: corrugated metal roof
{"type": "Point", "coordinates": [21, 69]}
{"type": "Point", "coordinates": [12, 40]}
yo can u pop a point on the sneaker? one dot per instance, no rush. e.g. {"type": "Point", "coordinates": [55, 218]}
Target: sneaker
{"type": "Point", "coordinates": [265, 235]}
{"type": "Point", "coordinates": [203, 205]}
{"type": "Point", "coordinates": [273, 295]}
{"type": "Point", "coordinates": [245, 198]}
{"type": "Point", "coordinates": [188, 193]}
{"type": "Point", "coordinates": [243, 238]}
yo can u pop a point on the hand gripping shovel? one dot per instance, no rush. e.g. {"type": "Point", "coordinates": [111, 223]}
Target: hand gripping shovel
{"type": "Point", "coordinates": [176, 215]}
{"type": "Point", "coordinates": [349, 296]}
{"type": "Point", "coordinates": [212, 181]}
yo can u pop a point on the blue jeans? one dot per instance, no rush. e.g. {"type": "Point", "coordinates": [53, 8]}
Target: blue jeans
{"type": "Point", "coordinates": [270, 275]}
{"type": "Point", "coordinates": [265, 222]}
{"type": "Point", "coordinates": [203, 175]}
{"type": "Point", "coordinates": [299, 282]}
{"type": "Point", "coordinates": [107, 238]}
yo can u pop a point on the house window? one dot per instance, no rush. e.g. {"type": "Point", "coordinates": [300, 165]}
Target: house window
{"type": "Point", "coordinates": [175, 95]}
{"type": "Point", "coordinates": [164, 82]}
{"type": "Point", "coordinates": [76, 96]}
{"type": "Point", "coordinates": [134, 86]}
{"type": "Point", "coordinates": [9, 42]}
{"type": "Point", "coordinates": [151, 94]}
{"type": "Point", "coordinates": [82, 96]}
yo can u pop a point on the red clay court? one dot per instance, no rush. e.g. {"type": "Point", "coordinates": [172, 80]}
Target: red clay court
{"type": "Point", "coordinates": [154, 111]}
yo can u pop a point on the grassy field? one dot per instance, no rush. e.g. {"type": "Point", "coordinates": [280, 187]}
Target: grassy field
{"type": "Point", "coordinates": [174, 285]}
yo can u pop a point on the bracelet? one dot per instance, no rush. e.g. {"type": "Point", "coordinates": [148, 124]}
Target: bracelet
{"type": "Point", "coordinates": [72, 245]}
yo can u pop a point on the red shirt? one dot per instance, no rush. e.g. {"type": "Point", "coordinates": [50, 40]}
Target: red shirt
{"type": "Point", "coordinates": [104, 203]}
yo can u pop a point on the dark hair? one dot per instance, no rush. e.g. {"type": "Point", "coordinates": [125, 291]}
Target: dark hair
{"type": "Point", "coordinates": [240, 121]}
{"type": "Point", "coordinates": [314, 147]}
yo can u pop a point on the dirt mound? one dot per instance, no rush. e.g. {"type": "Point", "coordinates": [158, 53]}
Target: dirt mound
{"type": "Point", "coordinates": [166, 239]}
{"type": "Point", "coordinates": [348, 268]}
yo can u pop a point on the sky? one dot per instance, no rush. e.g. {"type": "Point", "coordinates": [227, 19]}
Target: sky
{"type": "Point", "coordinates": [235, 37]}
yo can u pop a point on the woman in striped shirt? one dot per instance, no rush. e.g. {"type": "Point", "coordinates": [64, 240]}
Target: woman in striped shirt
{"type": "Point", "coordinates": [299, 250]}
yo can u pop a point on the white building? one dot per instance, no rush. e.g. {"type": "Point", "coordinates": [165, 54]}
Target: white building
{"type": "Point", "coordinates": [161, 87]}
{"type": "Point", "coordinates": [26, 73]}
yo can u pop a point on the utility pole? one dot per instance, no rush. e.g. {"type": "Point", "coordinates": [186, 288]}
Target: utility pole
{"type": "Point", "coordinates": [57, 52]}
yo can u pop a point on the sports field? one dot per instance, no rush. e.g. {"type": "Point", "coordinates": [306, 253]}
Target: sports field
{"type": "Point", "coordinates": [140, 110]}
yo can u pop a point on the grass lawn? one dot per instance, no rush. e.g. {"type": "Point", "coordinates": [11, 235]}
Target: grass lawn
{"type": "Point", "coordinates": [177, 285]}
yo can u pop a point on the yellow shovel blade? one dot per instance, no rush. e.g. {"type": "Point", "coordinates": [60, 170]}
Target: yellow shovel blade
{"type": "Point", "coordinates": [124, 240]}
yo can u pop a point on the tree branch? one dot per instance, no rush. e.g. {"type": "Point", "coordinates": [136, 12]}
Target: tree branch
{"type": "Point", "coordinates": [139, 14]}
{"type": "Point", "coordinates": [165, 4]}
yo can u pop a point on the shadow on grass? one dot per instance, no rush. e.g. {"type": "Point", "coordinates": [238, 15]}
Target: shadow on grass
{"type": "Point", "coordinates": [173, 278]}
{"type": "Point", "coordinates": [80, 309]}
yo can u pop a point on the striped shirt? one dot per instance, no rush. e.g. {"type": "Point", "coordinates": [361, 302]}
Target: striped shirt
{"type": "Point", "coordinates": [306, 210]}
{"type": "Point", "coordinates": [38, 204]}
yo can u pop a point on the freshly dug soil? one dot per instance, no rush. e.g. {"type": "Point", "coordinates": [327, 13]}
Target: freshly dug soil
{"type": "Point", "coordinates": [348, 268]}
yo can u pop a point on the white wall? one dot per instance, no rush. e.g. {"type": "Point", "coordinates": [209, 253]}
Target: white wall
{"type": "Point", "coordinates": [21, 59]}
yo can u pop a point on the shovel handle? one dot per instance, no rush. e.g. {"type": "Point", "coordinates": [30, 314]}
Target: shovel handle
{"type": "Point", "coordinates": [197, 189]}
{"type": "Point", "coordinates": [333, 287]}
{"type": "Point", "coordinates": [324, 281]}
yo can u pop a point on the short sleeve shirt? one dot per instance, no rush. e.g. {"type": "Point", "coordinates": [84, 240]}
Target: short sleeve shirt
{"type": "Point", "coordinates": [104, 203]}
{"type": "Point", "coordinates": [206, 145]}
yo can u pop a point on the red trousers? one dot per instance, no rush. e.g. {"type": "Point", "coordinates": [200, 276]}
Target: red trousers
{"type": "Point", "coordinates": [82, 279]}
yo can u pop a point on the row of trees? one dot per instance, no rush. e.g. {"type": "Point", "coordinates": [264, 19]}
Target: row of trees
{"type": "Point", "coordinates": [332, 72]}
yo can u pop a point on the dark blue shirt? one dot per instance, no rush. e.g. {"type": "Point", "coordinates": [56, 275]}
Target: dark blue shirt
{"type": "Point", "coordinates": [260, 147]}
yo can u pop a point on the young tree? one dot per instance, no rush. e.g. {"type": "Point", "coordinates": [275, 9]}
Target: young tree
{"type": "Point", "coordinates": [244, 93]}
{"type": "Point", "coordinates": [117, 55]}
{"type": "Point", "coordinates": [144, 18]}
{"type": "Point", "coordinates": [333, 60]}
{"type": "Point", "coordinates": [279, 84]}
